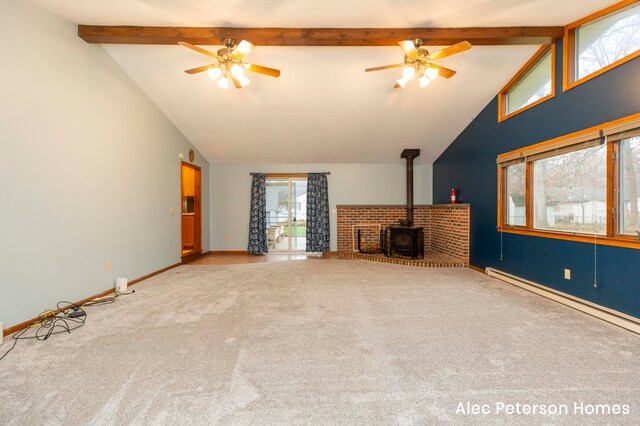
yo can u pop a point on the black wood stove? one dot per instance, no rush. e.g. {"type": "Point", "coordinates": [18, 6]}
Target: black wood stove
{"type": "Point", "coordinates": [405, 240]}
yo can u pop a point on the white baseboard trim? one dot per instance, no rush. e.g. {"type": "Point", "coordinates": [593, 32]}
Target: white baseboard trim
{"type": "Point", "coordinates": [612, 316]}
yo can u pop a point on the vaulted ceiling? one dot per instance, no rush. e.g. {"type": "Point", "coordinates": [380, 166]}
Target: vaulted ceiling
{"type": "Point", "coordinates": [323, 108]}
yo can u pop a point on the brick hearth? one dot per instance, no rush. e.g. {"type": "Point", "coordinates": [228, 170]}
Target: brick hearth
{"type": "Point", "coordinates": [446, 229]}
{"type": "Point", "coordinates": [432, 259]}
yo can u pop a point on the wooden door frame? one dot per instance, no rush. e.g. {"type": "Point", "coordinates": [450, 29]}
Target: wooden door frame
{"type": "Point", "coordinates": [197, 208]}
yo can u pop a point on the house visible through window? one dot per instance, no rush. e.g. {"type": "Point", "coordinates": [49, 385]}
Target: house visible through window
{"type": "Point", "coordinates": [570, 191]}
{"type": "Point", "coordinates": [516, 188]}
{"type": "Point", "coordinates": [584, 186]}
{"type": "Point", "coordinates": [286, 211]}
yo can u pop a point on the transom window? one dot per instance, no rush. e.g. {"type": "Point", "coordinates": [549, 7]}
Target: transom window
{"type": "Point", "coordinates": [601, 41]}
{"type": "Point", "coordinates": [583, 187]}
{"type": "Point", "coordinates": [533, 84]}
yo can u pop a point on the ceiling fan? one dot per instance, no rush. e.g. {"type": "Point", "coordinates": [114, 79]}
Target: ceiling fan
{"type": "Point", "coordinates": [230, 64]}
{"type": "Point", "coordinates": [419, 61]}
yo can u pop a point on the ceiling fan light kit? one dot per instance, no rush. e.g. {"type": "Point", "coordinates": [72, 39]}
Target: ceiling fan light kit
{"type": "Point", "coordinates": [214, 73]}
{"type": "Point", "coordinates": [432, 73]}
{"type": "Point", "coordinates": [223, 83]}
{"type": "Point", "coordinates": [424, 81]}
{"type": "Point", "coordinates": [418, 61]}
{"type": "Point", "coordinates": [230, 64]}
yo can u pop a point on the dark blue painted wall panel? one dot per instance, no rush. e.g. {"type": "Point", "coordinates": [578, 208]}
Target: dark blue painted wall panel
{"type": "Point", "coordinates": [469, 164]}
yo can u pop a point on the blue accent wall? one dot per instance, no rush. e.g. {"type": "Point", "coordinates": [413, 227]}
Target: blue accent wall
{"type": "Point", "coordinates": [469, 164]}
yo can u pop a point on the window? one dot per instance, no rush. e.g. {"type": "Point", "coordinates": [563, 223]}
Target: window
{"type": "Point", "coordinates": [532, 85]}
{"type": "Point", "coordinates": [607, 40]}
{"type": "Point", "coordinates": [570, 191]}
{"type": "Point", "coordinates": [601, 42]}
{"type": "Point", "coordinates": [515, 203]}
{"type": "Point", "coordinates": [535, 85]}
{"type": "Point", "coordinates": [580, 187]}
{"type": "Point", "coordinates": [629, 179]}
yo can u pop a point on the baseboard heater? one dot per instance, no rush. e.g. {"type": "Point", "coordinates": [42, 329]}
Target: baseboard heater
{"type": "Point", "coordinates": [614, 317]}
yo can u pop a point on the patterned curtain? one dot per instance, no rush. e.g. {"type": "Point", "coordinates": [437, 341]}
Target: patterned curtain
{"type": "Point", "coordinates": [258, 217]}
{"type": "Point", "coordinates": [317, 213]}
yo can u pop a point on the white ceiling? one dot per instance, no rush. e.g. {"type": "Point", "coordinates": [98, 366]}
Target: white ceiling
{"type": "Point", "coordinates": [325, 13]}
{"type": "Point", "coordinates": [323, 108]}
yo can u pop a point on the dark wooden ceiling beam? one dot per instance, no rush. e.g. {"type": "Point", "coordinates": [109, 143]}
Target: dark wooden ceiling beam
{"type": "Point", "coordinates": [487, 36]}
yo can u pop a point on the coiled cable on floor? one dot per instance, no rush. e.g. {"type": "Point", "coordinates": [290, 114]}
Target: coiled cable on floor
{"type": "Point", "coordinates": [65, 319]}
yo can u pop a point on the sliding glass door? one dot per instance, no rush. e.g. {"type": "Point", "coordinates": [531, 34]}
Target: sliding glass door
{"type": "Point", "coordinates": [286, 214]}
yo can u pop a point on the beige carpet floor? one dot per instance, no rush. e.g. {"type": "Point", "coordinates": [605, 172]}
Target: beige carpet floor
{"type": "Point", "coordinates": [322, 342]}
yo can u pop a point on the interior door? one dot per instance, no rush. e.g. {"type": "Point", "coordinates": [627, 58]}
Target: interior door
{"type": "Point", "coordinates": [190, 209]}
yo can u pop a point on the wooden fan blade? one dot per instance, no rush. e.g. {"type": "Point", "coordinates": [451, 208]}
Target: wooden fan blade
{"type": "Point", "coordinates": [242, 49]}
{"type": "Point", "coordinates": [442, 71]}
{"type": "Point", "coordinates": [409, 48]}
{"type": "Point", "coordinates": [271, 72]}
{"type": "Point", "coordinates": [397, 86]}
{"type": "Point", "coordinates": [198, 49]}
{"type": "Point", "coordinates": [198, 69]}
{"type": "Point", "coordinates": [451, 50]}
{"type": "Point", "coordinates": [384, 67]}
{"type": "Point", "coordinates": [236, 82]}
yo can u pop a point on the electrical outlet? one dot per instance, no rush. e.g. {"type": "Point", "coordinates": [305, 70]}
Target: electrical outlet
{"type": "Point", "coordinates": [107, 267]}
{"type": "Point", "coordinates": [567, 274]}
{"type": "Point", "coordinates": [171, 211]}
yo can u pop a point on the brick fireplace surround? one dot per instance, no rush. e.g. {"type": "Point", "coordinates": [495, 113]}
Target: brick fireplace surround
{"type": "Point", "coordinates": [446, 230]}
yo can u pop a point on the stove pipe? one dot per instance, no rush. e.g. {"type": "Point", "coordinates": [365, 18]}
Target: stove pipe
{"type": "Point", "coordinates": [410, 154]}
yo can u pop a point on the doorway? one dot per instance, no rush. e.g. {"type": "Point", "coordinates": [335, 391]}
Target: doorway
{"type": "Point", "coordinates": [286, 200]}
{"type": "Point", "coordinates": [191, 210]}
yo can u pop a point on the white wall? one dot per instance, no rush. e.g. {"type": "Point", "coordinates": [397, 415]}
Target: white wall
{"type": "Point", "coordinates": [89, 169]}
{"type": "Point", "coordinates": [230, 186]}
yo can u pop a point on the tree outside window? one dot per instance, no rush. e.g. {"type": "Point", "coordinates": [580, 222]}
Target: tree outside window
{"type": "Point", "coordinates": [629, 176]}
{"type": "Point", "coordinates": [605, 41]}
{"type": "Point", "coordinates": [570, 191]}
